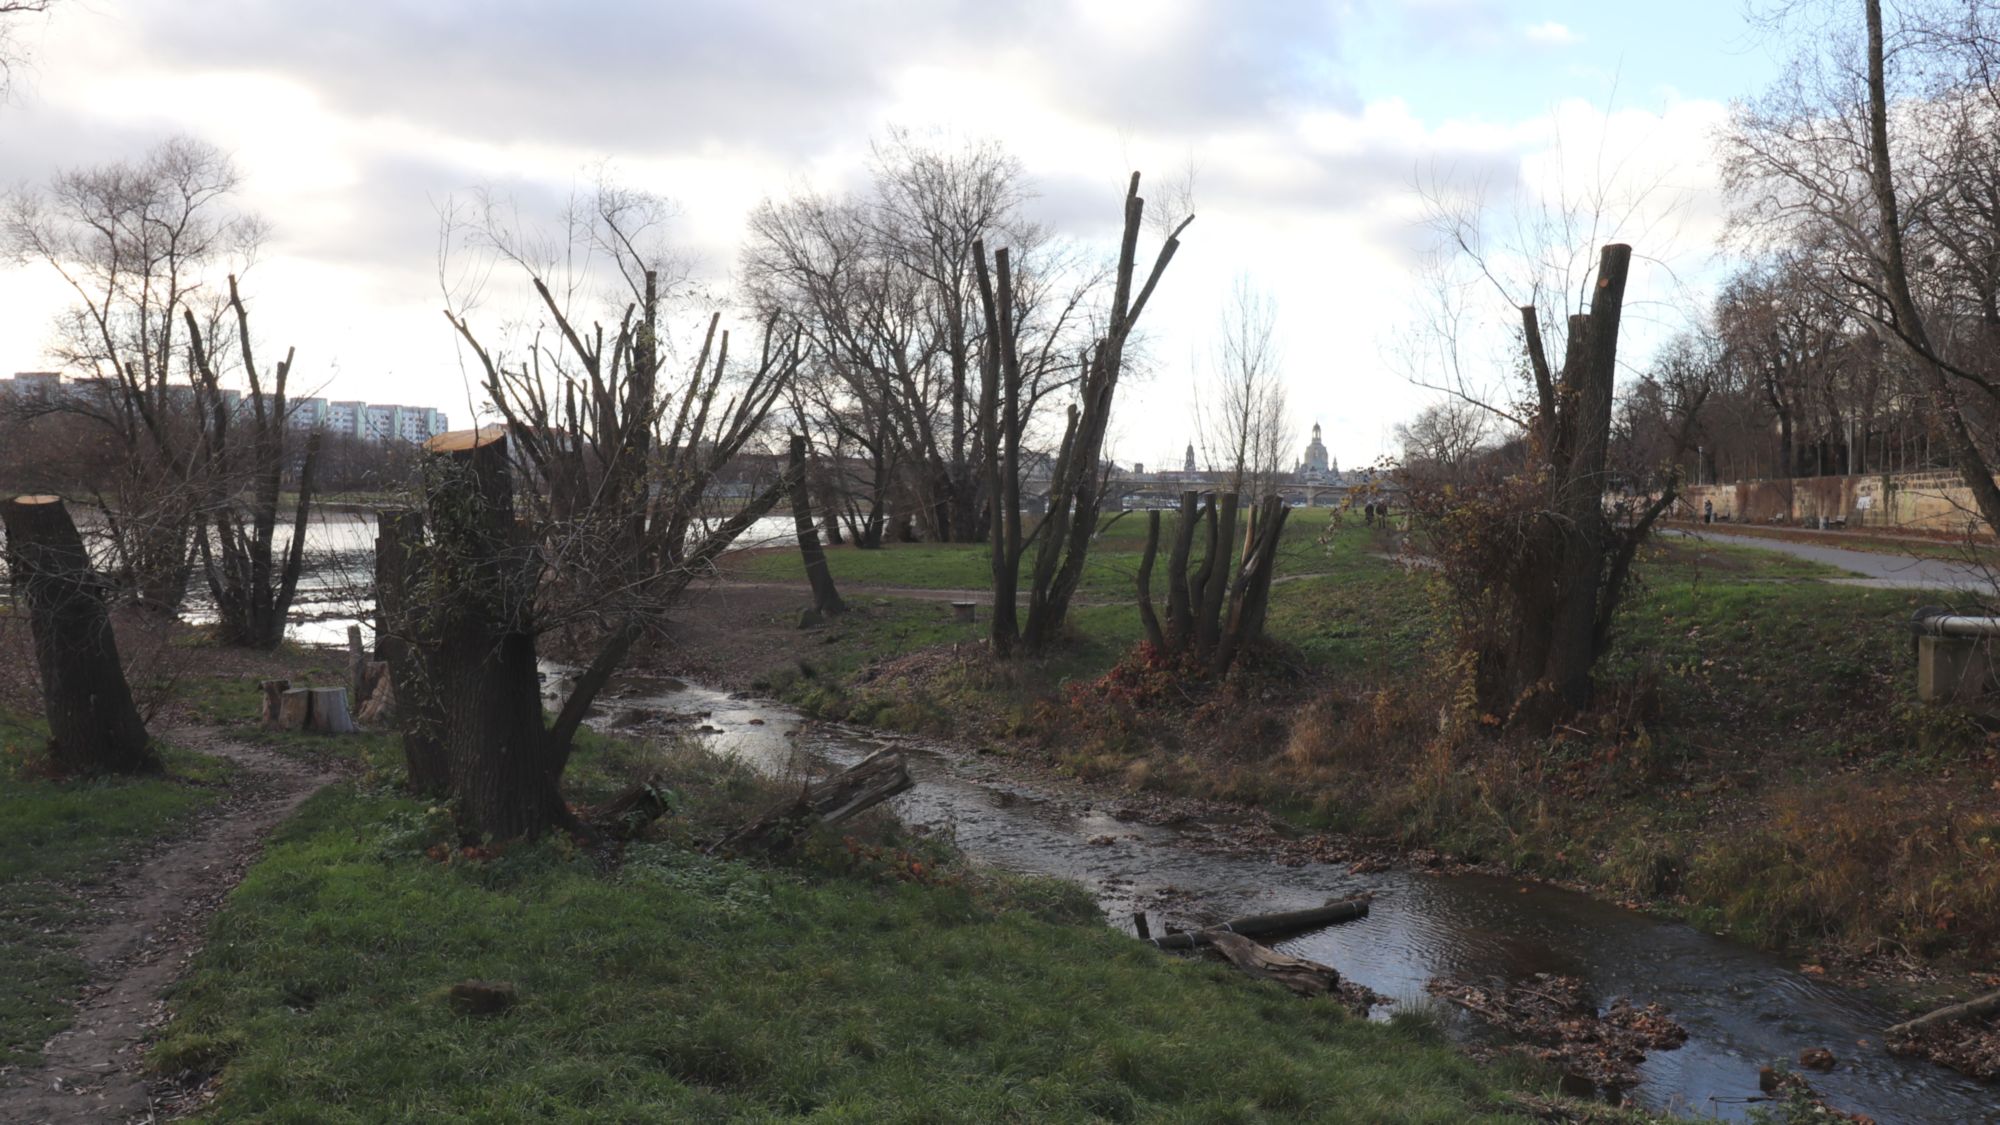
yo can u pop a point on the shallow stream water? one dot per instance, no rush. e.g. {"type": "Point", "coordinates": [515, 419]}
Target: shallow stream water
{"type": "Point", "coordinates": [1742, 1008]}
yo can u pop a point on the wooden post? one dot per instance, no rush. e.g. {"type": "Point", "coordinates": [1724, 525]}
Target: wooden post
{"type": "Point", "coordinates": [93, 725]}
{"type": "Point", "coordinates": [357, 666]}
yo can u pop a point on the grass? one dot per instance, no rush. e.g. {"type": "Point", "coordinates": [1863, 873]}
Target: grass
{"type": "Point", "coordinates": [56, 836]}
{"type": "Point", "coordinates": [674, 986]}
{"type": "Point", "coordinates": [1110, 569]}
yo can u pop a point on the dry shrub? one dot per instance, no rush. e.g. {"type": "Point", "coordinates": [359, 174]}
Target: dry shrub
{"type": "Point", "coordinates": [1867, 862]}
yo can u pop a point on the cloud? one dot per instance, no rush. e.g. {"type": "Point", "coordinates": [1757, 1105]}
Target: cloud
{"type": "Point", "coordinates": [1549, 33]}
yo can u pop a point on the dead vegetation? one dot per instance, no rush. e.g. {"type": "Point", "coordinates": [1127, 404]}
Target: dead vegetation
{"type": "Point", "coordinates": [1556, 1020]}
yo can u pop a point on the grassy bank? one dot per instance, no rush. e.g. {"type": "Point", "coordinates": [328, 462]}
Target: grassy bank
{"type": "Point", "coordinates": [882, 982]}
{"type": "Point", "coordinates": [1760, 762]}
{"type": "Point", "coordinates": [57, 839]}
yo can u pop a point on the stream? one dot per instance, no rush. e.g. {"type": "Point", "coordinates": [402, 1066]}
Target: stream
{"type": "Point", "coordinates": [1742, 1008]}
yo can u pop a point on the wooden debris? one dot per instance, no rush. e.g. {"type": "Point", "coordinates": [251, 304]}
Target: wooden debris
{"type": "Point", "coordinates": [1986, 1005]}
{"type": "Point", "coordinates": [860, 787]}
{"type": "Point", "coordinates": [1300, 976]}
{"type": "Point", "coordinates": [626, 815]}
{"type": "Point", "coordinates": [1274, 925]}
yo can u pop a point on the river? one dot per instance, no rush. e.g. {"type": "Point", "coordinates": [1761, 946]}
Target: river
{"type": "Point", "coordinates": [336, 585]}
{"type": "Point", "coordinates": [1742, 1008]}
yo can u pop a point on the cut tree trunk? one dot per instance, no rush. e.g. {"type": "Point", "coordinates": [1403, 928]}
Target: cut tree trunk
{"type": "Point", "coordinates": [1273, 925]}
{"type": "Point", "coordinates": [505, 770]}
{"type": "Point", "coordinates": [315, 710]}
{"type": "Point", "coordinates": [399, 538]}
{"type": "Point", "coordinates": [93, 725]}
{"type": "Point", "coordinates": [854, 790]}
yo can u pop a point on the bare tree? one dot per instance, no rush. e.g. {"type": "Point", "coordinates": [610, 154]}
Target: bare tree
{"type": "Point", "coordinates": [1871, 148]}
{"type": "Point", "coordinates": [1443, 438]}
{"type": "Point", "coordinates": [140, 245]}
{"type": "Point", "coordinates": [1076, 484]}
{"type": "Point", "coordinates": [243, 457]}
{"type": "Point", "coordinates": [12, 53]}
{"type": "Point", "coordinates": [1241, 414]}
{"type": "Point", "coordinates": [883, 287]}
{"type": "Point", "coordinates": [588, 512]}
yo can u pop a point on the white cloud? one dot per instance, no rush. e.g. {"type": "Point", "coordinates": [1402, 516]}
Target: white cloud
{"type": "Point", "coordinates": [348, 137]}
{"type": "Point", "coordinates": [1549, 33]}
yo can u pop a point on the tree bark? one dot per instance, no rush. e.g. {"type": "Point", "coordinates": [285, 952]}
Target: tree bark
{"type": "Point", "coordinates": [1274, 925]}
{"type": "Point", "coordinates": [94, 728]}
{"type": "Point", "coordinates": [854, 790]}
{"type": "Point", "coordinates": [399, 536]}
{"type": "Point", "coordinates": [826, 598]}
{"type": "Point", "coordinates": [504, 771]}
{"type": "Point", "coordinates": [1580, 496]}
{"type": "Point", "coordinates": [1147, 616]}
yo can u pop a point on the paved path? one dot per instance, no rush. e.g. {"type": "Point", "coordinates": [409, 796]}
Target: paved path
{"type": "Point", "coordinates": [1901, 572]}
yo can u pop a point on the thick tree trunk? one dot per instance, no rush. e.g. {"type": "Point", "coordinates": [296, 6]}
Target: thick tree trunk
{"type": "Point", "coordinates": [93, 725]}
{"type": "Point", "coordinates": [1581, 484]}
{"type": "Point", "coordinates": [1144, 580]}
{"type": "Point", "coordinates": [1180, 607]}
{"type": "Point", "coordinates": [504, 769]}
{"type": "Point", "coordinates": [826, 598]}
{"type": "Point", "coordinates": [399, 536]}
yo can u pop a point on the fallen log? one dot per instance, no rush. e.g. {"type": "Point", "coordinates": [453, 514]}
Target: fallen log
{"type": "Point", "coordinates": [1986, 1005]}
{"type": "Point", "coordinates": [1273, 925]}
{"type": "Point", "coordinates": [856, 789]}
{"type": "Point", "coordinates": [1300, 976]}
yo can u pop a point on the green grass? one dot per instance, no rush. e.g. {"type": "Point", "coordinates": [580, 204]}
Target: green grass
{"type": "Point", "coordinates": [680, 987]}
{"type": "Point", "coordinates": [1110, 568]}
{"type": "Point", "coordinates": [53, 836]}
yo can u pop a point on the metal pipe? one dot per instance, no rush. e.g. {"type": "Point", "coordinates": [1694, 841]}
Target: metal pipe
{"type": "Point", "coordinates": [1934, 621]}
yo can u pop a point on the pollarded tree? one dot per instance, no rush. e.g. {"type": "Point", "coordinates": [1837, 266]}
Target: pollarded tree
{"type": "Point", "coordinates": [138, 243]}
{"type": "Point", "coordinates": [243, 456]}
{"type": "Point", "coordinates": [1076, 485]}
{"type": "Point", "coordinates": [587, 513]}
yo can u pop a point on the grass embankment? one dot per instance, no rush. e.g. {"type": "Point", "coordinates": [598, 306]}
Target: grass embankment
{"type": "Point", "coordinates": [1760, 763]}
{"type": "Point", "coordinates": [57, 838]}
{"type": "Point", "coordinates": [877, 982]}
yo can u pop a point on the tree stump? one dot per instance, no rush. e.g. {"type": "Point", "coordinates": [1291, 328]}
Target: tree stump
{"type": "Point", "coordinates": [272, 714]}
{"type": "Point", "coordinates": [93, 725]}
{"type": "Point", "coordinates": [319, 710]}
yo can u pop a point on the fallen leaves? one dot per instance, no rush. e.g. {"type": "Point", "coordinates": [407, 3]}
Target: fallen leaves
{"type": "Point", "coordinates": [1557, 1021]}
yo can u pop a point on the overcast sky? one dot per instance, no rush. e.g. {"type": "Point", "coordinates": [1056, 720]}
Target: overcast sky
{"type": "Point", "coordinates": [1310, 124]}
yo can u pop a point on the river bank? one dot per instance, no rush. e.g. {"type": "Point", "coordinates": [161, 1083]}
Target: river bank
{"type": "Point", "coordinates": [1762, 771]}
{"type": "Point", "coordinates": [875, 975]}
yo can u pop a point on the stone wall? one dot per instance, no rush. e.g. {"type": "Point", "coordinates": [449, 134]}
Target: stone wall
{"type": "Point", "coordinates": [1935, 502]}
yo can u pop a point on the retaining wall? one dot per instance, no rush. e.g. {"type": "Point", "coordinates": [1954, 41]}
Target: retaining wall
{"type": "Point", "coordinates": [1936, 502]}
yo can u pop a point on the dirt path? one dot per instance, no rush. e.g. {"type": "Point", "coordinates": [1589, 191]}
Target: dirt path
{"type": "Point", "coordinates": [150, 919]}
